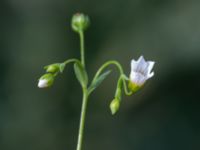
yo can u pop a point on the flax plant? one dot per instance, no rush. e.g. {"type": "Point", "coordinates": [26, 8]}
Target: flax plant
{"type": "Point", "coordinates": [139, 74]}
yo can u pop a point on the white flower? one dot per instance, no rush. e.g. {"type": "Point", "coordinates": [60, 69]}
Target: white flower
{"type": "Point", "coordinates": [141, 71]}
{"type": "Point", "coordinates": [43, 83]}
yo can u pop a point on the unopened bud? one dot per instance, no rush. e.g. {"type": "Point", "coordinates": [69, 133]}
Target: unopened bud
{"type": "Point", "coordinates": [114, 106]}
{"type": "Point", "coordinates": [54, 68]}
{"type": "Point", "coordinates": [46, 81]}
{"type": "Point", "coordinates": [80, 22]}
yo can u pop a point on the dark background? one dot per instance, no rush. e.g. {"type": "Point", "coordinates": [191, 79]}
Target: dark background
{"type": "Point", "coordinates": [164, 115]}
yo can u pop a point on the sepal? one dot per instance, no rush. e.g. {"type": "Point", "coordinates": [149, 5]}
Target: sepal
{"type": "Point", "coordinates": [134, 87]}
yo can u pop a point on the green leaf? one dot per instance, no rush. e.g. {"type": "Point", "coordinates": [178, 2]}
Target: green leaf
{"type": "Point", "coordinates": [61, 67]}
{"type": "Point", "coordinates": [81, 74]}
{"type": "Point", "coordinates": [96, 82]}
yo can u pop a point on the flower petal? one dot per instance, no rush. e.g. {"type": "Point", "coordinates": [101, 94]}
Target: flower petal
{"type": "Point", "coordinates": [134, 65]}
{"type": "Point", "coordinates": [150, 75]}
{"type": "Point", "coordinates": [142, 65]}
{"type": "Point", "coordinates": [137, 78]}
{"type": "Point", "coordinates": [141, 60]}
{"type": "Point", "coordinates": [150, 67]}
{"type": "Point", "coordinates": [42, 83]}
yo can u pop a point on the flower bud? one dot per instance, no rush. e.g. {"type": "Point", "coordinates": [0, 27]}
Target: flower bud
{"type": "Point", "coordinates": [54, 68]}
{"type": "Point", "coordinates": [114, 106]}
{"type": "Point", "coordinates": [46, 80]}
{"type": "Point", "coordinates": [80, 22]}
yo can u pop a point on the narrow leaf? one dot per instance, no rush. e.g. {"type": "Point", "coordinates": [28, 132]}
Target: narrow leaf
{"type": "Point", "coordinates": [95, 83]}
{"type": "Point", "coordinates": [81, 74]}
{"type": "Point", "coordinates": [62, 67]}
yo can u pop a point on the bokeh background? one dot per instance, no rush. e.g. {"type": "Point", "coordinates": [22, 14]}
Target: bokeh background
{"type": "Point", "coordinates": [164, 115]}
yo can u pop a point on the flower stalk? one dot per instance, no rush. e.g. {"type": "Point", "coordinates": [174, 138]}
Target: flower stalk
{"type": "Point", "coordinates": [82, 119]}
{"type": "Point", "coordinates": [82, 48]}
{"type": "Point", "coordinates": [85, 95]}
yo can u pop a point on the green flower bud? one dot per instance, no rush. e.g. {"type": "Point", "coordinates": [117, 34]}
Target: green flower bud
{"type": "Point", "coordinates": [114, 106]}
{"type": "Point", "coordinates": [54, 68]}
{"type": "Point", "coordinates": [134, 87]}
{"type": "Point", "coordinates": [46, 80]}
{"type": "Point", "coordinates": [80, 22]}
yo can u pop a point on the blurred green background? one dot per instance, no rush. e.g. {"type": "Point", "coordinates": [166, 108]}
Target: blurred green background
{"type": "Point", "coordinates": [164, 115]}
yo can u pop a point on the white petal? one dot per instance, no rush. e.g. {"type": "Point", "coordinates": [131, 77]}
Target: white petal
{"type": "Point", "coordinates": [42, 83]}
{"type": "Point", "coordinates": [141, 60]}
{"type": "Point", "coordinates": [138, 65]}
{"type": "Point", "coordinates": [150, 67]}
{"type": "Point", "coordinates": [137, 78]}
{"type": "Point", "coordinates": [142, 65]}
{"type": "Point", "coordinates": [134, 65]}
{"type": "Point", "coordinates": [150, 75]}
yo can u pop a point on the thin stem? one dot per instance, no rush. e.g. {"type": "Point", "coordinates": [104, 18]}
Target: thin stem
{"type": "Point", "coordinates": [127, 92]}
{"type": "Point", "coordinates": [70, 61]}
{"type": "Point", "coordinates": [63, 65]}
{"type": "Point", "coordinates": [82, 119]}
{"type": "Point", "coordinates": [112, 62]}
{"type": "Point", "coordinates": [85, 97]}
{"type": "Point", "coordinates": [118, 90]}
{"type": "Point", "coordinates": [82, 48]}
{"type": "Point", "coordinates": [123, 76]}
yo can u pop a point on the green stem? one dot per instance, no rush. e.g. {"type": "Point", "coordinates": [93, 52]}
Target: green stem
{"type": "Point", "coordinates": [119, 87]}
{"type": "Point", "coordinates": [63, 65]}
{"type": "Point", "coordinates": [85, 96]}
{"type": "Point", "coordinates": [122, 75]}
{"type": "Point", "coordinates": [124, 79]}
{"type": "Point", "coordinates": [82, 119]}
{"type": "Point", "coordinates": [70, 61]}
{"type": "Point", "coordinates": [111, 62]}
{"type": "Point", "coordinates": [82, 48]}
